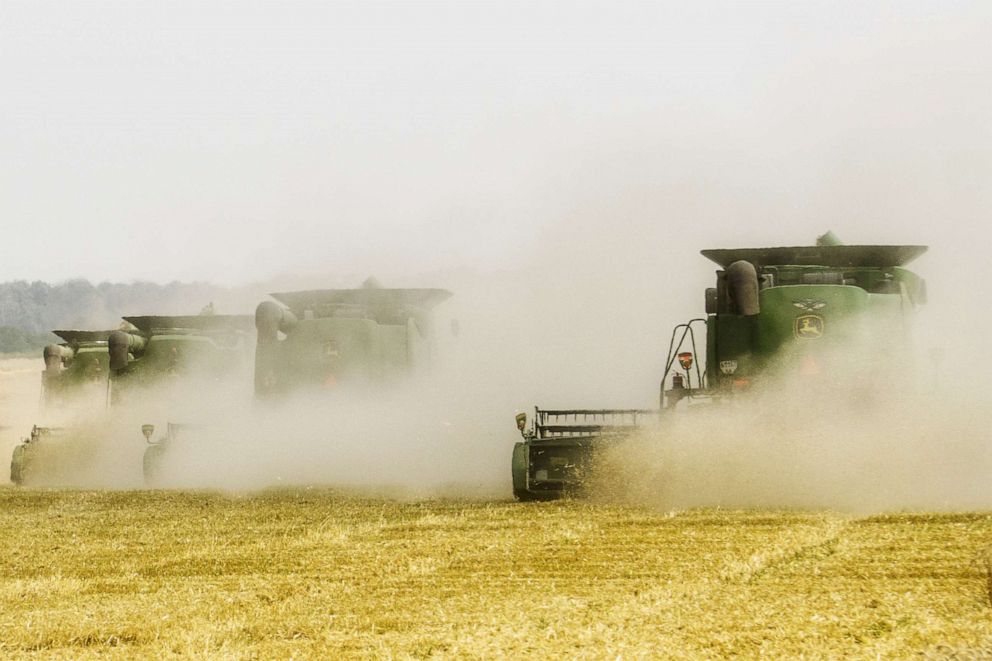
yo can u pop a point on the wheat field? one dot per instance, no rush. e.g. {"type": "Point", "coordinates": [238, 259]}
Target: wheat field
{"type": "Point", "coordinates": [313, 573]}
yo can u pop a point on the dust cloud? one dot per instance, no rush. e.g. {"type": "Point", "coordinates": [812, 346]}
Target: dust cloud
{"type": "Point", "coordinates": [561, 335]}
{"type": "Point", "coordinates": [907, 438]}
{"type": "Point", "coordinates": [565, 209]}
{"type": "Point", "coordinates": [854, 437]}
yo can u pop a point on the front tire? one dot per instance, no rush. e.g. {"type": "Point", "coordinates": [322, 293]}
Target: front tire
{"type": "Point", "coordinates": [151, 462]}
{"type": "Point", "coordinates": [525, 496]}
{"type": "Point", "coordinates": [17, 465]}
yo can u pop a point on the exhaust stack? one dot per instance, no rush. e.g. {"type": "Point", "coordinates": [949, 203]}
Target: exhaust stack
{"type": "Point", "coordinates": [743, 280]}
{"type": "Point", "coordinates": [55, 356]}
{"type": "Point", "coordinates": [120, 344]}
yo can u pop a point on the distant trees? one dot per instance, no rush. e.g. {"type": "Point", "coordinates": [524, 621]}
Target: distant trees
{"type": "Point", "coordinates": [28, 310]}
{"type": "Point", "coordinates": [18, 340]}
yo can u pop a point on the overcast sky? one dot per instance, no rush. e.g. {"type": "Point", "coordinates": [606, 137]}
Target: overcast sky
{"type": "Point", "coordinates": [236, 141]}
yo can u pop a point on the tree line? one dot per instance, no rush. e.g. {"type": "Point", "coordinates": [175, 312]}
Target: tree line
{"type": "Point", "coordinates": [30, 310]}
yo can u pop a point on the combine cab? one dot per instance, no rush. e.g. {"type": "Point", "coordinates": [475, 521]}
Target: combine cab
{"type": "Point", "coordinates": [776, 314]}
{"type": "Point", "coordinates": [342, 338]}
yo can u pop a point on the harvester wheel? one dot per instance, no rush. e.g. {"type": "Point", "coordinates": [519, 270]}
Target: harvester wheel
{"type": "Point", "coordinates": [17, 466]}
{"type": "Point", "coordinates": [151, 463]}
{"type": "Point", "coordinates": [525, 496]}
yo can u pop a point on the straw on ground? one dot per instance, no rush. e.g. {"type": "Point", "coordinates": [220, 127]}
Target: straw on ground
{"type": "Point", "coordinates": [310, 573]}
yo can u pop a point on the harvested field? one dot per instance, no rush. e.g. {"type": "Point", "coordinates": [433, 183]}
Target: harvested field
{"type": "Point", "coordinates": [309, 573]}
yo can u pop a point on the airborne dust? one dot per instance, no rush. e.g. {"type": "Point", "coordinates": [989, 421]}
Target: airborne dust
{"type": "Point", "coordinates": [576, 237]}
{"type": "Point", "coordinates": [916, 436]}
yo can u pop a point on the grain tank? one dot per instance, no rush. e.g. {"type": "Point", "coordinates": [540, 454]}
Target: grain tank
{"type": "Point", "coordinates": [323, 340]}
{"type": "Point", "coordinates": [193, 349]}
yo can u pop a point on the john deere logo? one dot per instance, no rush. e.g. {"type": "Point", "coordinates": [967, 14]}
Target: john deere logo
{"type": "Point", "coordinates": [809, 326]}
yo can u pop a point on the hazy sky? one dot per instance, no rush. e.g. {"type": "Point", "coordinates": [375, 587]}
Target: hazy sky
{"type": "Point", "coordinates": [232, 141]}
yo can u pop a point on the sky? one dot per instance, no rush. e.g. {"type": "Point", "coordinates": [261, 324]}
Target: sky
{"type": "Point", "coordinates": [557, 165]}
{"type": "Point", "coordinates": [234, 142]}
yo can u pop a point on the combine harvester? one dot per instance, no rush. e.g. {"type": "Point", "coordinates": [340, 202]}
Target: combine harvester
{"type": "Point", "coordinates": [176, 357]}
{"type": "Point", "coordinates": [328, 340]}
{"type": "Point", "coordinates": [775, 312]}
{"type": "Point", "coordinates": [151, 362]}
{"type": "Point", "coordinates": [73, 369]}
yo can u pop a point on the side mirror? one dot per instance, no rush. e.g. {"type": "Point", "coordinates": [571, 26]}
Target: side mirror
{"type": "Point", "coordinates": [711, 300]}
{"type": "Point", "coordinates": [147, 431]}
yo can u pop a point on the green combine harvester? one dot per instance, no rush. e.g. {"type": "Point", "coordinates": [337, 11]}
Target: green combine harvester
{"type": "Point", "coordinates": [329, 339]}
{"type": "Point", "coordinates": [774, 314]}
{"type": "Point", "coordinates": [79, 363]}
{"type": "Point", "coordinates": [198, 354]}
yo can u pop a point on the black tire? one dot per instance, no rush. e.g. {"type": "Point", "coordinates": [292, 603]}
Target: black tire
{"type": "Point", "coordinates": [17, 466]}
{"type": "Point", "coordinates": [522, 495]}
{"type": "Point", "coordinates": [151, 462]}
{"type": "Point", "coordinates": [525, 496]}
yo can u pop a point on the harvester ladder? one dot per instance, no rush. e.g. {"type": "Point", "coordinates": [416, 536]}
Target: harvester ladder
{"type": "Point", "coordinates": [673, 351]}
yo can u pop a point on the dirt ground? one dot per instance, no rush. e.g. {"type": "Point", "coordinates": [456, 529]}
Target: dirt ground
{"type": "Point", "coordinates": [20, 395]}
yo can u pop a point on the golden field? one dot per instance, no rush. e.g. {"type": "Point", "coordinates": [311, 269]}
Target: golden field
{"type": "Point", "coordinates": [313, 573]}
